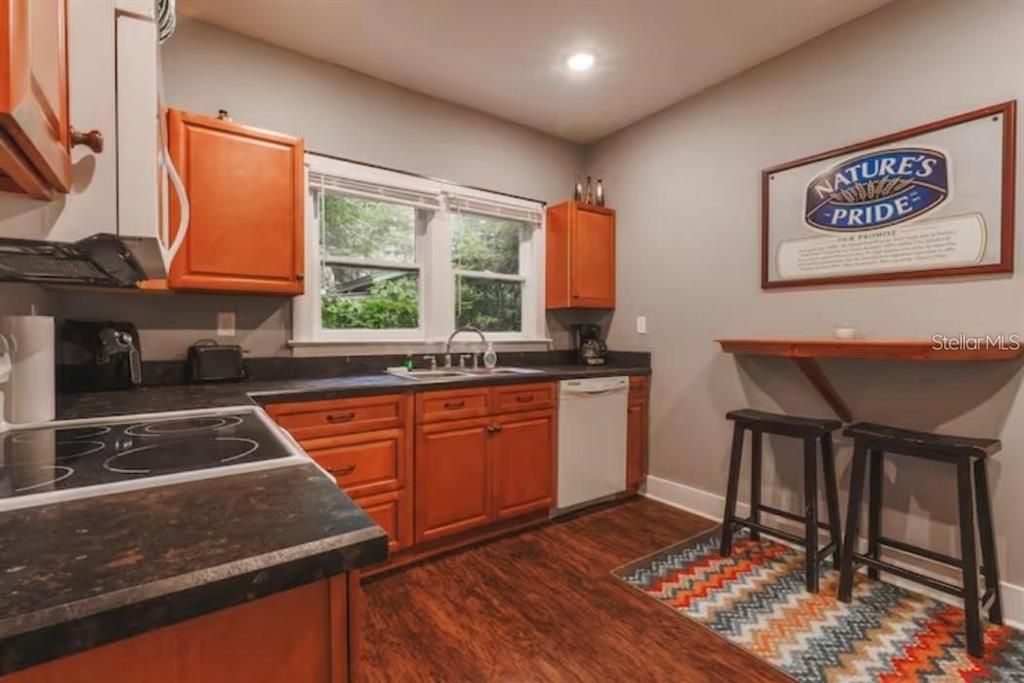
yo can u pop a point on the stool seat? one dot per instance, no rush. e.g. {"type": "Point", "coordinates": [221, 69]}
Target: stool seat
{"type": "Point", "coordinates": [897, 439]}
{"type": "Point", "coordinates": [774, 423]}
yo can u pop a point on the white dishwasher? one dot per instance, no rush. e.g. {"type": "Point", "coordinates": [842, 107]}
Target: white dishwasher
{"type": "Point", "coordinates": [592, 416]}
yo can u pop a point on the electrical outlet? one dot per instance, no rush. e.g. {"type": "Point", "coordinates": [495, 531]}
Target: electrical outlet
{"type": "Point", "coordinates": [641, 324]}
{"type": "Point", "coordinates": [226, 324]}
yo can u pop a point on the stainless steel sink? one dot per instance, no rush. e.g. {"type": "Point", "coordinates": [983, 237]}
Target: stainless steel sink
{"type": "Point", "coordinates": [428, 374]}
{"type": "Point", "coordinates": [487, 372]}
{"type": "Point", "coordinates": [460, 373]}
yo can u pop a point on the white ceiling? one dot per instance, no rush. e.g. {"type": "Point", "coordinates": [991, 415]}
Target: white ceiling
{"type": "Point", "coordinates": [507, 58]}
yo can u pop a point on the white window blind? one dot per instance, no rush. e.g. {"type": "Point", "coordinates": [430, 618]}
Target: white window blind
{"type": "Point", "coordinates": [372, 190]}
{"type": "Point", "coordinates": [528, 213]}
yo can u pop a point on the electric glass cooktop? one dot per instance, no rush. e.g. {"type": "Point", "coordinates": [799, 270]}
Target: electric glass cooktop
{"type": "Point", "coordinates": [80, 458]}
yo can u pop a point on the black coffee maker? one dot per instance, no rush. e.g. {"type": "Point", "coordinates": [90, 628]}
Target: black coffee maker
{"type": "Point", "coordinates": [98, 355]}
{"type": "Point", "coordinates": [590, 348]}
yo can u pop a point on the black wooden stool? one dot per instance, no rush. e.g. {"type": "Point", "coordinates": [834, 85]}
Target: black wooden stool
{"type": "Point", "coordinates": [810, 430]}
{"type": "Point", "coordinates": [876, 440]}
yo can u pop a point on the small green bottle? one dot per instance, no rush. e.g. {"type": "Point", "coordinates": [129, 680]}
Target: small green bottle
{"type": "Point", "coordinates": [408, 362]}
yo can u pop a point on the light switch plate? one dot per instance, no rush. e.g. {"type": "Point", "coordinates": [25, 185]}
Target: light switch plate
{"type": "Point", "coordinates": [226, 324]}
{"type": "Point", "coordinates": [641, 324]}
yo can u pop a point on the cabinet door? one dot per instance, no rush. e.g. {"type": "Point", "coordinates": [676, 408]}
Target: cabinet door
{"type": "Point", "coordinates": [307, 633]}
{"type": "Point", "coordinates": [452, 492]}
{"type": "Point", "coordinates": [245, 191]}
{"type": "Point", "coordinates": [636, 444]}
{"type": "Point", "coordinates": [523, 454]}
{"type": "Point", "coordinates": [592, 248]}
{"type": "Point", "coordinates": [392, 512]}
{"type": "Point", "coordinates": [34, 143]}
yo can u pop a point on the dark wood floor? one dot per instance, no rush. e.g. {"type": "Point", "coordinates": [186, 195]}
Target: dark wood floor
{"type": "Point", "coordinates": [543, 606]}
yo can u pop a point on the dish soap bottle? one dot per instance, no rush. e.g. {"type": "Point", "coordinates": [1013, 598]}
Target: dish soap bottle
{"type": "Point", "coordinates": [490, 357]}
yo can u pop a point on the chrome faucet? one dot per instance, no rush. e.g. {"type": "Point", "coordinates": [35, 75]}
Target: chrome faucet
{"type": "Point", "coordinates": [448, 344]}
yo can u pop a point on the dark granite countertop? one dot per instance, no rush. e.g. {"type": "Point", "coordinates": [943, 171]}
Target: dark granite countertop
{"type": "Point", "coordinates": [78, 574]}
{"type": "Point", "coordinates": [81, 573]}
{"type": "Point", "coordinates": [177, 397]}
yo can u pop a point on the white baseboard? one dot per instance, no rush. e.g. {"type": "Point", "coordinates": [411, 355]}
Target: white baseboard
{"type": "Point", "coordinates": [710, 506]}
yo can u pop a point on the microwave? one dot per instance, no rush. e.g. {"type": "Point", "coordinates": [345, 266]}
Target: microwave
{"type": "Point", "coordinates": [112, 227]}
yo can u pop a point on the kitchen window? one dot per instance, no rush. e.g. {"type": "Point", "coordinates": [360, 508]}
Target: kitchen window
{"type": "Point", "coordinates": [398, 258]}
{"type": "Point", "coordinates": [369, 275]}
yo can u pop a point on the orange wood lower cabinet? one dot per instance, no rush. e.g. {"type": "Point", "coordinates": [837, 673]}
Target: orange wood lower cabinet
{"type": "Point", "coordinates": [636, 433]}
{"type": "Point", "coordinates": [308, 634]}
{"type": "Point", "coordinates": [522, 461]}
{"type": "Point", "coordinates": [366, 444]}
{"type": "Point", "coordinates": [452, 482]}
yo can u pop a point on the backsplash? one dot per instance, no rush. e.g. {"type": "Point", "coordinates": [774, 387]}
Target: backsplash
{"type": "Point", "coordinates": [260, 369]}
{"type": "Point", "coordinates": [169, 323]}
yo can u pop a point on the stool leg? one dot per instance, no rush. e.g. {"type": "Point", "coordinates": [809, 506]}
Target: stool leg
{"type": "Point", "coordinates": [811, 513]}
{"type": "Point", "coordinates": [852, 522]}
{"type": "Point", "coordinates": [828, 463]}
{"type": "Point", "coordinates": [969, 561]}
{"type": "Point", "coordinates": [875, 508]}
{"type": "Point", "coordinates": [755, 482]}
{"type": "Point", "coordinates": [989, 560]}
{"type": "Point", "coordinates": [735, 460]}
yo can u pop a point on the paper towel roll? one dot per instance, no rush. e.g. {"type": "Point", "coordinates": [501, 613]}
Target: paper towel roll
{"type": "Point", "coordinates": [31, 390]}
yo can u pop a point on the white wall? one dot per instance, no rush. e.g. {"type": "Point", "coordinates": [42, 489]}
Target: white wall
{"type": "Point", "coordinates": [341, 113]}
{"type": "Point", "coordinates": [686, 185]}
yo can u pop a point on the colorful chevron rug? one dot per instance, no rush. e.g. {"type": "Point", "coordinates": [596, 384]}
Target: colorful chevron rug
{"type": "Point", "coordinates": [756, 599]}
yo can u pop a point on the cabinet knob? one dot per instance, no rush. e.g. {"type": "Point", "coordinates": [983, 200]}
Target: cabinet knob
{"type": "Point", "coordinates": [93, 140]}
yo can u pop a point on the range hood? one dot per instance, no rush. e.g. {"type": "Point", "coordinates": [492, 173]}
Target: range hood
{"type": "Point", "coordinates": [102, 260]}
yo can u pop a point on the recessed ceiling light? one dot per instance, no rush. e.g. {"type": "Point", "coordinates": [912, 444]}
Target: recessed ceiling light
{"type": "Point", "coordinates": [581, 61]}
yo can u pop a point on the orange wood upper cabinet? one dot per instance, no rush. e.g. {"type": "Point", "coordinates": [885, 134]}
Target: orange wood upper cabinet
{"type": "Point", "coordinates": [523, 462]}
{"type": "Point", "coordinates": [245, 191]}
{"type": "Point", "coordinates": [35, 134]}
{"type": "Point", "coordinates": [452, 481]}
{"type": "Point", "coordinates": [580, 256]}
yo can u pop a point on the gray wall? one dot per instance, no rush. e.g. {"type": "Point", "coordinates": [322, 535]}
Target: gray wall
{"type": "Point", "coordinates": [23, 299]}
{"type": "Point", "coordinates": [686, 185]}
{"type": "Point", "coordinates": [341, 113]}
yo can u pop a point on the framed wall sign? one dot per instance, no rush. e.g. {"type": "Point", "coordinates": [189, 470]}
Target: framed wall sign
{"type": "Point", "coordinates": [936, 200]}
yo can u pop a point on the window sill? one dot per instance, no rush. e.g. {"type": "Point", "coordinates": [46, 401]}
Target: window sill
{"type": "Point", "coordinates": [306, 348]}
{"type": "Point", "coordinates": [498, 341]}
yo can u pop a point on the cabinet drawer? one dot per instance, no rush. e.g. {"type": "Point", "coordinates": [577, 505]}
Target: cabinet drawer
{"type": "Point", "coordinates": [393, 512]}
{"type": "Point", "coordinates": [523, 397]}
{"type": "Point", "coordinates": [363, 463]}
{"type": "Point", "coordinates": [455, 404]}
{"type": "Point", "coordinates": [316, 419]}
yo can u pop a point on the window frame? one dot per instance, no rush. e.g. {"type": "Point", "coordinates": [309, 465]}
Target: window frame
{"type": "Point", "coordinates": [433, 262]}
